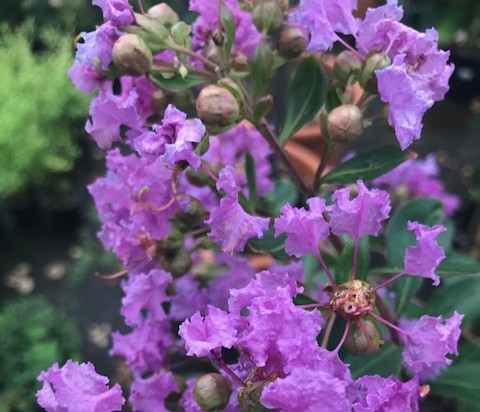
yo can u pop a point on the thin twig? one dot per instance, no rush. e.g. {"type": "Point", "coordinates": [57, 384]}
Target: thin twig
{"type": "Point", "coordinates": [328, 329]}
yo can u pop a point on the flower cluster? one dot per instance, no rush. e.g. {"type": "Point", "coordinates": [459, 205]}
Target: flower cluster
{"type": "Point", "coordinates": [186, 204]}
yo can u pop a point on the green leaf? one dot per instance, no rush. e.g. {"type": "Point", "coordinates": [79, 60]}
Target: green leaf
{"type": "Point", "coordinates": [459, 265]}
{"type": "Point", "coordinates": [384, 363]}
{"type": "Point", "coordinates": [334, 96]}
{"type": "Point", "coordinates": [251, 178]}
{"type": "Point", "coordinates": [305, 98]}
{"type": "Point", "coordinates": [398, 238]}
{"type": "Point", "coordinates": [203, 146]}
{"type": "Point", "coordinates": [270, 244]}
{"type": "Point", "coordinates": [177, 83]}
{"type": "Point", "coordinates": [262, 69]}
{"type": "Point", "coordinates": [284, 192]}
{"type": "Point", "coordinates": [302, 299]}
{"type": "Point", "coordinates": [343, 270]}
{"type": "Point", "coordinates": [459, 381]}
{"type": "Point", "coordinates": [367, 166]}
{"type": "Point", "coordinates": [228, 24]}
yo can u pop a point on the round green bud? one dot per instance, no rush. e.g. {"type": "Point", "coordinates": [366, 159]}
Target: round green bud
{"type": "Point", "coordinates": [179, 264]}
{"type": "Point", "coordinates": [290, 42]}
{"type": "Point", "coordinates": [131, 55]}
{"type": "Point", "coordinates": [345, 123]}
{"type": "Point", "coordinates": [212, 392]}
{"type": "Point", "coordinates": [347, 64]}
{"type": "Point", "coordinates": [163, 14]}
{"type": "Point", "coordinates": [198, 177]}
{"type": "Point", "coordinates": [217, 108]}
{"type": "Point", "coordinates": [267, 16]}
{"type": "Point", "coordinates": [193, 213]}
{"type": "Point", "coordinates": [173, 243]}
{"type": "Point", "coordinates": [357, 343]}
{"type": "Point", "coordinates": [368, 79]}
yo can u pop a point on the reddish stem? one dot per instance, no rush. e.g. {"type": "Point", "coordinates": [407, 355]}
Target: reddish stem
{"type": "Point", "coordinates": [327, 271]}
{"type": "Point", "coordinates": [328, 329]}
{"type": "Point", "coordinates": [345, 333]}
{"type": "Point", "coordinates": [389, 324]}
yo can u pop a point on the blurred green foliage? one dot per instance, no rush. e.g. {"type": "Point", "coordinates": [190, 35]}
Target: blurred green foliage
{"type": "Point", "coordinates": [39, 106]}
{"type": "Point", "coordinates": [33, 336]}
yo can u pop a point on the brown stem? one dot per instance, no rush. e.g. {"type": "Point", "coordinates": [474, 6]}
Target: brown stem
{"type": "Point", "coordinates": [208, 63]}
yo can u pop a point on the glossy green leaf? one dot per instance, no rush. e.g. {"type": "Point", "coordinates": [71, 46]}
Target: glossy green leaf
{"type": "Point", "coordinates": [305, 98]}
{"type": "Point", "coordinates": [270, 244]}
{"type": "Point", "coordinates": [284, 192]}
{"type": "Point", "coordinates": [228, 24]}
{"type": "Point", "coordinates": [367, 166]}
{"type": "Point", "coordinates": [398, 238]}
{"type": "Point", "coordinates": [203, 146]}
{"type": "Point", "coordinates": [343, 270]}
{"type": "Point", "coordinates": [302, 299]}
{"type": "Point", "coordinates": [177, 83]}
{"type": "Point", "coordinates": [459, 381]}
{"type": "Point", "coordinates": [262, 69]}
{"type": "Point", "coordinates": [384, 363]}
{"type": "Point", "coordinates": [458, 265]}
{"type": "Point", "coordinates": [251, 178]}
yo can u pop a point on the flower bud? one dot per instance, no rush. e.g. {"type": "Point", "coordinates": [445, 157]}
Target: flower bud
{"type": "Point", "coordinates": [192, 214]}
{"type": "Point", "coordinates": [368, 79]}
{"type": "Point", "coordinates": [357, 343]}
{"type": "Point", "coordinates": [179, 264]}
{"type": "Point", "coordinates": [131, 55]}
{"type": "Point", "coordinates": [173, 243]}
{"type": "Point", "coordinates": [290, 43]}
{"type": "Point", "coordinates": [163, 14]}
{"type": "Point", "coordinates": [198, 177]}
{"type": "Point", "coordinates": [217, 108]}
{"type": "Point", "coordinates": [283, 4]}
{"type": "Point", "coordinates": [347, 64]}
{"type": "Point", "coordinates": [249, 396]}
{"type": "Point", "coordinates": [267, 15]}
{"type": "Point", "coordinates": [212, 392]}
{"type": "Point", "coordinates": [345, 123]}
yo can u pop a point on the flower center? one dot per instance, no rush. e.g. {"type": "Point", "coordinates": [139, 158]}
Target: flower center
{"type": "Point", "coordinates": [353, 298]}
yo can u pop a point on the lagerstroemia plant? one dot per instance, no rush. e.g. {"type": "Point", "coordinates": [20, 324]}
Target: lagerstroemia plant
{"type": "Point", "coordinates": [188, 201]}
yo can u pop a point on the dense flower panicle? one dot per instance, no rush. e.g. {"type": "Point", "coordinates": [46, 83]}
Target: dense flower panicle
{"type": "Point", "coordinates": [145, 291]}
{"type": "Point", "coordinates": [230, 148]}
{"type": "Point", "coordinates": [77, 388]}
{"type": "Point", "coordinates": [322, 19]}
{"type": "Point", "coordinates": [149, 394]}
{"type": "Point", "coordinates": [189, 298]}
{"type": "Point", "coordinates": [129, 228]}
{"type": "Point", "coordinates": [119, 12]}
{"type": "Point", "coordinates": [428, 341]}
{"type": "Point", "coordinates": [422, 259]}
{"type": "Point", "coordinates": [210, 333]}
{"type": "Point", "coordinates": [231, 227]}
{"type": "Point", "coordinates": [173, 140]}
{"type": "Point", "coordinates": [306, 390]}
{"type": "Point", "coordinates": [421, 178]}
{"type": "Point", "coordinates": [246, 35]}
{"type": "Point", "coordinates": [304, 229]}
{"type": "Point", "coordinates": [362, 215]}
{"type": "Point", "coordinates": [145, 348]}
{"type": "Point", "coordinates": [374, 393]}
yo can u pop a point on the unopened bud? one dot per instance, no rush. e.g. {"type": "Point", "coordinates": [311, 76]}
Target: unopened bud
{"type": "Point", "coordinates": [240, 62]}
{"type": "Point", "coordinates": [249, 396]}
{"type": "Point", "coordinates": [267, 16]}
{"type": "Point", "coordinates": [131, 55]}
{"type": "Point", "coordinates": [198, 177]}
{"type": "Point", "coordinates": [345, 123]}
{"type": "Point", "coordinates": [192, 214]}
{"type": "Point", "coordinates": [291, 43]}
{"type": "Point", "coordinates": [283, 4]}
{"type": "Point", "coordinates": [173, 243]}
{"type": "Point", "coordinates": [179, 264]}
{"type": "Point", "coordinates": [368, 79]}
{"type": "Point", "coordinates": [356, 341]}
{"type": "Point", "coordinates": [217, 108]}
{"type": "Point", "coordinates": [347, 64]}
{"type": "Point", "coordinates": [212, 392]}
{"type": "Point", "coordinates": [163, 14]}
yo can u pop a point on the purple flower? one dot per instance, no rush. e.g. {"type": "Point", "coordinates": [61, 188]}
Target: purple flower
{"type": "Point", "coordinates": [231, 226]}
{"type": "Point", "coordinates": [323, 19]}
{"type": "Point", "coordinates": [84, 76]}
{"type": "Point", "coordinates": [360, 216]}
{"type": "Point", "coordinates": [306, 390]}
{"type": "Point", "coordinates": [422, 259]}
{"type": "Point", "coordinates": [374, 393]}
{"type": "Point", "coordinates": [119, 12]}
{"type": "Point", "coordinates": [428, 341]}
{"type": "Point", "coordinates": [77, 387]}
{"type": "Point", "coordinates": [189, 298]}
{"type": "Point", "coordinates": [420, 178]}
{"type": "Point", "coordinates": [149, 394]}
{"type": "Point", "coordinates": [205, 334]}
{"type": "Point", "coordinates": [174, 140]}
{"type": "Point", "coordinates": [145, 291]}
{"type": "Point", "coordinates": [97, 45]}
{"type": "Point", "coordinates": [143, 349]}
{"type": "Point", "coordinates": [304, 229]}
